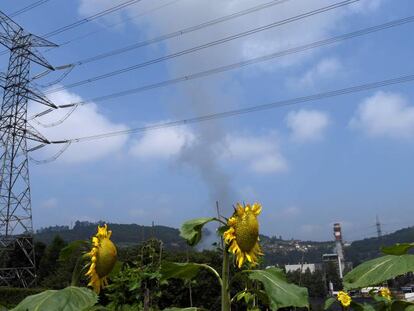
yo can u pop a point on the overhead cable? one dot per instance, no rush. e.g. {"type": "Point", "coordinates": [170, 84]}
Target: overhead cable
{"type": "Point", "coordinates": [236, 112]}
{"type": "Point", "coordinates": [122, 21]}
{"type": "Point", "coordinates": [179, 32]}
{"type": "Point", "coordinates": [204, 46]}
{"type": "Point", "coordinates": [91, 18]}
{"type": "Point", "coordinates": [86, 19]}
{"type": "Point", "coordinates": [28, 8]}
{"type": "Point", "coordinates": [201, 74]}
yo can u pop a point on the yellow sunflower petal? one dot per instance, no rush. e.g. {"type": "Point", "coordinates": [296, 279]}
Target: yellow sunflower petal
{"type": "Point", "coordinates": [239, 210]}
{"type": "Point", "coordinates": [232, 221]}
{"type": "Point", "coordinates": [256, 208]}
{"type": "Point", "coordinates": [103, 258]}
{"type": "Point", "coordinates": [240, 260]}
{"type": "Point", "coordinates": [242, 237]}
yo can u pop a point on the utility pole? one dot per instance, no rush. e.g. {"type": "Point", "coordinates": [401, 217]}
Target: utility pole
{"type": "Point", "coordinates": [378, 225]}
{"type": "Point", "coordinates": [17, 254]}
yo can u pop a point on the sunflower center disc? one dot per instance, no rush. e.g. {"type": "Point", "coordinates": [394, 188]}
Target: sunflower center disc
{"type": "Point", "coordinates": [247, 232]}
{"type": "Point", "coordinates": [106, 258]}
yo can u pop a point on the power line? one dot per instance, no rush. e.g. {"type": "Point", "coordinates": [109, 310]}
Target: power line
{"type": "Point", "coordinates": [87, 19]}
{"type": "Point", "coordinates": [91, 18]}
{"type": "Point", "coordinates": [256, 60]}
{"type": "Point", "coordinates": [236, 112]}
{"type": "Point", "coordinates": [28, 8]}
{"type": "Point", "coordinates": [180, 32]}
{"type": "Point", "coordinates": [123, 21]}
{"type": "Point", "coordinates": [171, 35]}
{"type": "Point", "coordinates": [201, 47]}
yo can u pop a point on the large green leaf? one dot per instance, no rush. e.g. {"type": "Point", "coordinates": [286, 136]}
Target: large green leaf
{"type": "Point", "coordinates": [185, 271]}
{"type": "Point", "coordinates": [175, 270]}
{"type": "Point", "coordinates": [376, 271]}
{"type": "Point", "coordinates": [67, 299]}
{"type": "Point", "coordinates": [281, 293]}
{"type": "Point", "coordinates": [183, 309]}
{"type": "Point", "coordinates": [397, 249]}
{"type": "Point", "coordinates": [329, 302]}
{"type": "Point", "coordinates": [191, 229]}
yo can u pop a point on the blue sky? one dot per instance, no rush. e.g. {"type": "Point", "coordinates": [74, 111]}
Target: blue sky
{"type": "Point", "coordinates": [344, 159]}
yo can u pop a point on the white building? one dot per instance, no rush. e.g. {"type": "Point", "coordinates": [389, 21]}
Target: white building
{"type": "Point", "coordinates": [302, 267]}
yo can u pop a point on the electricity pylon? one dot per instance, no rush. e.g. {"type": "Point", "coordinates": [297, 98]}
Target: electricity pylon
{"type": "Point", "coordinates": [17, 255]}
{"type": "Point", "coordinates": [378, 225]}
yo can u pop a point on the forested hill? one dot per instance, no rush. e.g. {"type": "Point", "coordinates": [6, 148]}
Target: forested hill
{"type": "Point", "coordinates": [277, 251]}
{"type": "Point", "coordinates": [365, 249]}
{"type": "Point", "coordinates": [292, 251]}
{"type": "Point", "coordinates": [122, 234]}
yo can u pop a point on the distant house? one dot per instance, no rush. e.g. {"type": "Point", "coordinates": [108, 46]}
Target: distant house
{"type": "Point", "coordinates": [303, 267]}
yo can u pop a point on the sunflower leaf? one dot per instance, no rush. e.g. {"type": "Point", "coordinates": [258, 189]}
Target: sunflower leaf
{"type": "Point", "coordinates": [378, 270]}
{"type": "Point", "coordinates": [73, 247]}
{"type": "Point", "coordinates": [191, 229]}
{"type": "Point", "coordinates": [175, 270]}
{"type": "Point", "coordinates": [281, 293]}
{"type": "Point", "coordinates": [329, 302]}
{"type": "Point", "coordinates": [68, 299]}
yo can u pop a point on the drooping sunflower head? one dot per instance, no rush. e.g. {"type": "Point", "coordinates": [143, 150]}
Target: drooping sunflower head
{"type": "Point", "coordinates": [103, 257]}
{"type": "Point", "coordinates": [385, 293]}
{"type": "Point", "coordinates": [242, 237]}
{"type": "Point", "coordinates": [344, 298]}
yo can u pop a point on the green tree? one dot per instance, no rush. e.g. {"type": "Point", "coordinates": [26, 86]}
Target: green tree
{"type": "Point", "coordinates": [49, 262]}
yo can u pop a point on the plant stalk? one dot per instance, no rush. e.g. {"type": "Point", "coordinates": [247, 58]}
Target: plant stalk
{"type": "Point", "coordinates": [77, 271]}
{"type": "Point", "coordinates": [225, 292]}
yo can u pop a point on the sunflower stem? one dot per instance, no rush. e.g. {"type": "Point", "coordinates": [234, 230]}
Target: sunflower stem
{"type": "Point", "coordinates": [225, 292]}
{"type": "Point", "coordinates": [76, 273]}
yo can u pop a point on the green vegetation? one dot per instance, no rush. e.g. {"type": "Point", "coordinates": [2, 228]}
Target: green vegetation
{"type": "Point", "coordinates": [124, 235]}
{"type": "Point", "coordinates": [150, 276]}
{"type": "Point", "coordinates": [278, 251]}
{"type": "Point", "coordinates": [10, 297]}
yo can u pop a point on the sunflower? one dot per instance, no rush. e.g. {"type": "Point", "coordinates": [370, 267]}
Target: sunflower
{"type": "Point", "coordinates": [385, 293]}
{"type": "Point", "coordinates": [344, 298]}
{"type": "Point", "coordinates": [243, 234]}
{"type": "Point", "coordinates": [103, 257]}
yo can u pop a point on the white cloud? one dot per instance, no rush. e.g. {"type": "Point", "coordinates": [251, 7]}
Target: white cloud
{"type": "Point", "coordinates": [291, 211]}
{"type": "Point", "coordinates": [307, 125]}
{"type": "Point", "coordinates": [86, 120]}
{"type": "Point", "coordinates": [310, 228]}
{"type": "Point", "coordinates": [366, 7]}
{"type": "Point", "coordinates": [262, 154]}
{"type": "Point", "coordinates": [50, 203]}
{"type": "Point", "coordinates": [189, 13]}
{"type": "Point", "coordinates": [326, 69]}
{"type": "Point", "coordinates": [385, 114]}
{"type": "Point", "coordinates": [162, 143]}
{"type": "Point", "coordinates": [91, 7]}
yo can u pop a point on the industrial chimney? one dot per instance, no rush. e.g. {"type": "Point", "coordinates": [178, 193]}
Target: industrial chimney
{"type": "Point", "coordinates": [339, 248]}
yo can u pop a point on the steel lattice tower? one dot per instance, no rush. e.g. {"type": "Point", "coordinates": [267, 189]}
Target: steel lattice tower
{"type": "Point", "coordinates": [17, 255]}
